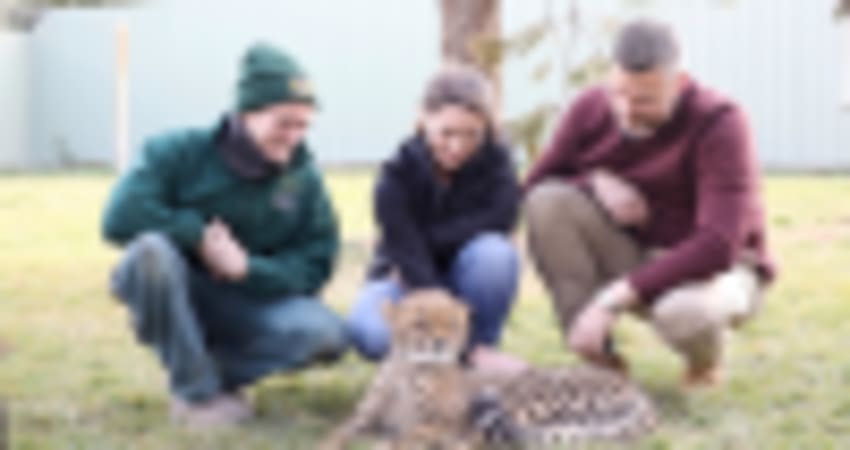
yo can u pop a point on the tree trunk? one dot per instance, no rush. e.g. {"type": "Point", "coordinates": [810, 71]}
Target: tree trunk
{"type": "Point", "coordinates": [466, 23]}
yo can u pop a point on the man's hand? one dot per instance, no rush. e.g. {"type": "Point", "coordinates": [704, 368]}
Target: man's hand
{"type": "Point", "coordinates": [590, 330]}
{"type": "Point", "coordinates": [222, 253]}
{"type": "Point", "coordinates": [595, 323]}
{"type": "Point", "coordinates": [623, 202]}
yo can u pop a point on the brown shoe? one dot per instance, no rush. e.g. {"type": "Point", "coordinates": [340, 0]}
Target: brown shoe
{"type": "Point", "coordinates": [223, 411]}
{"type": "Point", "coordinates": [612, 359]}
{"type": "Point", "coordinates": [613, 362]}
{"type": "Point", "coordinates": [699, 378]}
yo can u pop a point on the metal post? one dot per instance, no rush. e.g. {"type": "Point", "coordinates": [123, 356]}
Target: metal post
{"type": "Point", "coordinates": [122, 98]}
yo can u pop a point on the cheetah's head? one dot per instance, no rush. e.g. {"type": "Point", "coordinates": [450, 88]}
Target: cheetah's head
{"type": "Point", "coordinates": [428, 327]}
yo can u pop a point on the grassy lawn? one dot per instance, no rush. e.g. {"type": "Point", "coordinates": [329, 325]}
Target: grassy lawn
{"type": "Point", "coordinates": [75, 378]}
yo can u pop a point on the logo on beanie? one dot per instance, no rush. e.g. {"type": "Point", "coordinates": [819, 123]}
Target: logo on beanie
{"type": "Point", "coordinates": [300, 87]}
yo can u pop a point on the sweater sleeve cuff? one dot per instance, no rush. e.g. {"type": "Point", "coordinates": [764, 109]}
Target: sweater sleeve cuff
{"type": "Point", "coordinates": [188, 229]}
{"type": "Point", "coordinates": [256, 270]}
{"type": "Point", "coordinates": [266, 277]}
{"type": "Point", "coordinates": [647, 283]}
{"type": "Point", "coordinates": [582, 182]}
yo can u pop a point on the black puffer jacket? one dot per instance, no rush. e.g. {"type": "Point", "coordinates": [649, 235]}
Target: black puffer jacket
{"type": "Point", "coordinates": [424, 222]}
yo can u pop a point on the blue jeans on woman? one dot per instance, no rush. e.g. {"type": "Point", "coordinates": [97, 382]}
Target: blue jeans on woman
{"type": "Point", "coordinates": [484, 275]}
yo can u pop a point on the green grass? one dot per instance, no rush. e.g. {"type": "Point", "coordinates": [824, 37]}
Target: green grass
{"type": "Point", "coordinates": [75, 378]}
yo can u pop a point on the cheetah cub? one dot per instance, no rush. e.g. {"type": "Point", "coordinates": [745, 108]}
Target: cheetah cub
{"type": "Point", "coordinates": [419, 398]}
{"type": "Point", "coordinates": [422, 398]}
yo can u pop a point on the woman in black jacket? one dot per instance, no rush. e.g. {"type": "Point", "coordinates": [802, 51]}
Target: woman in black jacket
{"type": "Point", "coordinates": [445, 204]}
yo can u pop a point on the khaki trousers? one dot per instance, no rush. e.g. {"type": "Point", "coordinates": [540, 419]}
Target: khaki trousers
{"type": "Point", "coordinates": [577, 251]}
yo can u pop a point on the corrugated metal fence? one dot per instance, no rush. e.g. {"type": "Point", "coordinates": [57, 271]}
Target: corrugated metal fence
{"type": "Point", "coordinates": [369, 60]}
{"type": "Point", "coordinates": [14, 99]}
{"type": "Point", "coordinates": [782, 59]}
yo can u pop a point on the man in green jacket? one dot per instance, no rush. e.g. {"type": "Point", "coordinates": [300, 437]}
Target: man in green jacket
{"type": "Point", "coordinates": [229, 236]}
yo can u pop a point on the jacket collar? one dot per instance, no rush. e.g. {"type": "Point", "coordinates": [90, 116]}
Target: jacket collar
{"type": "Point", "coordinates": [417, 148]}
{"type": "Point", "coordinates": [243, 157]}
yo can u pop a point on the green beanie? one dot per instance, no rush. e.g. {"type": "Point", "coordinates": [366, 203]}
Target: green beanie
{"type": "Point", "coordinates": [269, 75]}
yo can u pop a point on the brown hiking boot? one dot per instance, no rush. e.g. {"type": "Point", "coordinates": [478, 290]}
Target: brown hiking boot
{"type": "Point", "coordinates": [613, 362]}
{"type": "Point", "coordinates": [612, 359]}
{"type": "Point", "coordinates": [701, 378]}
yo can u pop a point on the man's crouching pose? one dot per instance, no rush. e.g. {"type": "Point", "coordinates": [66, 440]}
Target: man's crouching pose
{"type": "Point", "coordinates": [229, 237]}
{"type": "Point", "coordinates": [648, 201]}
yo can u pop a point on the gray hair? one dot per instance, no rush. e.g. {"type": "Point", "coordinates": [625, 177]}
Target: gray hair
{"type": "Point", "coordinates": [460, 86]}
{"type": "Point", "coordinates": [643, 45]}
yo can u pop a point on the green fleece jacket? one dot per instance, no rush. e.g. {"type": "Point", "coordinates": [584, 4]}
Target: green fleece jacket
{"type": "Point", "coordinates": [181, 182]}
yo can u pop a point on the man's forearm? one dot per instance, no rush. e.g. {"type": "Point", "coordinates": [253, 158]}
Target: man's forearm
{"type": "Point", "coordinates": [702, 255]}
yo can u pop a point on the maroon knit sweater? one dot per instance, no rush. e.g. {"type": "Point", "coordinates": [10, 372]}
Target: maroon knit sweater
{"type": "Point", "coordinates": [698, 172]}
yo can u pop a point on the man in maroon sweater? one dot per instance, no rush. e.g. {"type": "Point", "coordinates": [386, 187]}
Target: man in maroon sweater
{"type": "Point", "coordinates": [648, 201]}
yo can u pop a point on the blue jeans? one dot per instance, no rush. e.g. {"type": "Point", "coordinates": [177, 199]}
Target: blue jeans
{"type": "Point", "coordinates": [484, 275]}
{"type": "Point", "coordinates": [210, 337]}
